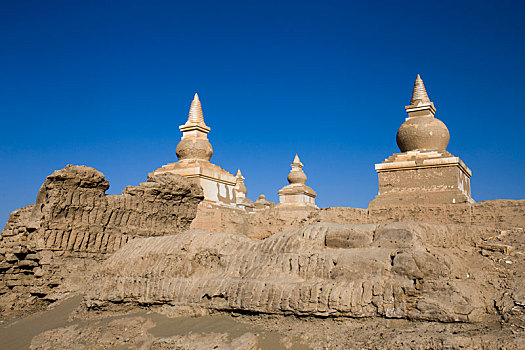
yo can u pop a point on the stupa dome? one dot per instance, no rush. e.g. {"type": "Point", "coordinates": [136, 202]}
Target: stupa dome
{"type": "Point", "coordinates": [421, 130]}
{"type": "Point", "coordinates": [423, 133]}
{"type": "Point", "coordinates": [194, 149]}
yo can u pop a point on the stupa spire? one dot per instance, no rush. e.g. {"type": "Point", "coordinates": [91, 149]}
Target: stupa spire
{"type": "Point", "coordinates": [419, 93]}
{"type": "Point", "coordinates": [297, 161]}
{"type": "Point", "coordinates": [195, 115]}
{"type": "Point", "coordinates": [420, 105]}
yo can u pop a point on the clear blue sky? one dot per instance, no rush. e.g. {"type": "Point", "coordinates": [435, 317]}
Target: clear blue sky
{"type": "Point", "coordinates": [107, 83]}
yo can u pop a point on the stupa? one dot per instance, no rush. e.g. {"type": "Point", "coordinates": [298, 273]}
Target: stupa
{"type": "Point", "coordinates": [424, 172]}
{"type": "Point", "coordinates": [297, 193]}
{"type": "Point", "coordinates": [262, 204]}
{"type": "Point", "coordinates": [194, 152]}
{"type": "Point", "coordinates": [240, 193]}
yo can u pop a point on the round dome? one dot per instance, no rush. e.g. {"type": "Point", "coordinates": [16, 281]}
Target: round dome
{"type": "Point", "coordinates": [297, 177]}
{"type": "Point", "coordinates": [423, 133]}
{"type": "Point", "coordinates": [194, 149]}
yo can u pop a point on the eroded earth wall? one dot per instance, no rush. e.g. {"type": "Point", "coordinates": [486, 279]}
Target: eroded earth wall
{"type": "Point", "coordinates": [47, 249]}
{"type": "Point", "coordinates": [396, 270]}
{"type": "Point", "coordinates": [500, 214]}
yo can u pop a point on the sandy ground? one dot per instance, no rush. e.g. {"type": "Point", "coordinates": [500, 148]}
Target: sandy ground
{"type": "Point", "coordinates": [55, 328]}
{"type": "Point", "coordinates": [62, 327]}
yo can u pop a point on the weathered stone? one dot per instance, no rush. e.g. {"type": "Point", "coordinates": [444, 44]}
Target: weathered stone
{"type": "Point", "coordinates": [10, 257]}
{"type": "Point", "coordinates": [350, 237]}
{"type": "Point", "coordinates": [496, 247]}
{"type": "Point", "coordinates": [27, 263]}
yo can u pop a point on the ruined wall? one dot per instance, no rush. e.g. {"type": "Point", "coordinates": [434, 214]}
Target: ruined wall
{"type": "Point", "coordinates": [501, 214]}
{"type": "Point", "coordinates": [47, 248]}
{"type": "Point", "coordinates": [396, 270]}
{"type": "Point", "coordinates": [504, 213]}
{"type": "Point", "coordinates": [444, 213]}
{"type": "Point", "coordinates": [258, 224]}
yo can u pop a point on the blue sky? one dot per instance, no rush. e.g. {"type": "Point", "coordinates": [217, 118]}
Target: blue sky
{"type": "Point", "coordinates": [107, 83]}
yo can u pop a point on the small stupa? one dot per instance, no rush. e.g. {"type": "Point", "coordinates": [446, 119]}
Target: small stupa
{"type": "Point", "coordinates": [425, 172]}
{"type": "Point", "coordinates": [194, 152]}
{"type": "Point", "coordinates": [261, 203]}
{"type": "Point", "coordinates": [240, 191]}
{"type": "Point", "coordinates": [297, 193]}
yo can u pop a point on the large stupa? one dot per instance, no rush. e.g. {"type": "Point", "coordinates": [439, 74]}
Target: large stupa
{"type": "Point", "coordinates": [194, 152]}
{"type": "Point", "coordinates": [424, 172]}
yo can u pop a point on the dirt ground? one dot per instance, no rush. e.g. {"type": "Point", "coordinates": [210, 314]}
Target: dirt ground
{"type": "Point", "coordinates": [62, 328]}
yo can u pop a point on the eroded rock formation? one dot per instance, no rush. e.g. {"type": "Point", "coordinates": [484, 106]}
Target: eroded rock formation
{"type": "Point", "coordinates": [47, 249]}
{"type": "Point", "coordinates": [398, 270]}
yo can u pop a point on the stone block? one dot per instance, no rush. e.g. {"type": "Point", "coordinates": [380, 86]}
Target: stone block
{"type": "Point", "coordinates": [10, 257]}
{"type": "Point", "coordinates": [27, 263]}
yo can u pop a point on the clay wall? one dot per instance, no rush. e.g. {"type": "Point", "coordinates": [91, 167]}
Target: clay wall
{"type": "Point", "coordinates": [398, 270]}
{"type": "Point", "coordinates": [47, 248]}
{"type": "Point", "coordinates": [258, 224]}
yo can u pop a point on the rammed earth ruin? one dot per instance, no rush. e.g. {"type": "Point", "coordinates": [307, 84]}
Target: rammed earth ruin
{"type": "Point", "coordinates": [189, 241]}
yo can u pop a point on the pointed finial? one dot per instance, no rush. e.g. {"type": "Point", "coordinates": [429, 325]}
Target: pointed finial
{"type": "Point", "coordinates": [419, 94]}
{"type": "Point", "coordinates": [195, 115]}
{"type": "Point", "coordinates": [240, 187]}
{"type": "Point", "coordinates": [297, 162]}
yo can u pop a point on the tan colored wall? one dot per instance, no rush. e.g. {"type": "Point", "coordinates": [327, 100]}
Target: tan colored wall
{"type": "Point", "coordinates": [259, 224]}
{"type": "Point", "coordinates": [399, 270]}
{"type": "Point", "coordinates": [501, 214]}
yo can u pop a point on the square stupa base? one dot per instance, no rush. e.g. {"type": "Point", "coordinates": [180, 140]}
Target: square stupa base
{"type": "Point", "coordinates": [297, 200]}
{"type": "Point", "coordinates": [216, 182]}
{"type": "Point", "coordinates": [422, 178]}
